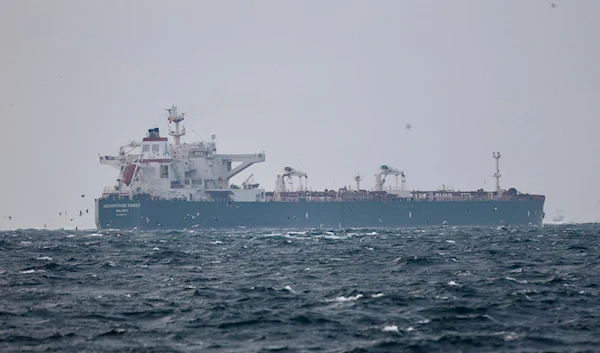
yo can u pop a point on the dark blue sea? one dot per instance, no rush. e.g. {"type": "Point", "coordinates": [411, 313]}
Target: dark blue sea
{"type": "Point", "coordinates": [354, 290]}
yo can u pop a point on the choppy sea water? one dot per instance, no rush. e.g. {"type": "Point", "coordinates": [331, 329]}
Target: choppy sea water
{"type": "Point", "coordinates": [353, 290]}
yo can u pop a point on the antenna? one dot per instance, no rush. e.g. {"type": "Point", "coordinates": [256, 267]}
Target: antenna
{"type": "Point", "coordinates": [497, 174]}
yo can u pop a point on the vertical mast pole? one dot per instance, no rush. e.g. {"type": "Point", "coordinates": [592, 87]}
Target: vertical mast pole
{"type": "Point", "coordinates": [497, 174]}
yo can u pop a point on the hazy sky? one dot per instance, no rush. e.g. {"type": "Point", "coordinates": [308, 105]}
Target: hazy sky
{"type": "Point", "coordinates": [323, 86]}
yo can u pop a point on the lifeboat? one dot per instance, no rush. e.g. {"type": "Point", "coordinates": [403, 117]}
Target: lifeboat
{"type": "Point", "coordinates": [128, 174]}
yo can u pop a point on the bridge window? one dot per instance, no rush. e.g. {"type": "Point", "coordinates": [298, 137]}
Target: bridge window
{"type": "Point", "coordinates": [164, 171]}
{"type": "Point", "coordinates": [146, 149]}
{"type": "Point", "coordinates": [196, 181]}
{"type": "Point", "coordinates": [155, 148]}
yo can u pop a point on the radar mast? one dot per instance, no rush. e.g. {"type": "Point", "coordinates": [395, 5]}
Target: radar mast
{"type": "Point", "coordinates": [175, 118]}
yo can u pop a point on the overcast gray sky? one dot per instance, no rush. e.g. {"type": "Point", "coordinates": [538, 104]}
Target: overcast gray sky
{"type": "Point", "coordinates": [323, 86]}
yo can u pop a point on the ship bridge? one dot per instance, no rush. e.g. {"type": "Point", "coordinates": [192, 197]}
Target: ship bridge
{"type": "Point", "coordinates": [192, 171]}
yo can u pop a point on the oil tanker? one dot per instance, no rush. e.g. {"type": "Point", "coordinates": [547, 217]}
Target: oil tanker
{"type": "Point", "coordinates": [164, 185]}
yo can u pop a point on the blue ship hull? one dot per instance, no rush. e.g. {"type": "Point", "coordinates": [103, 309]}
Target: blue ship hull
{"type": "Point", "coordinates": [167, 214]}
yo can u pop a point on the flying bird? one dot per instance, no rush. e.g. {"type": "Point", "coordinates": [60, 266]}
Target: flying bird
{"type": "Point", "coordinates": [82, 195]}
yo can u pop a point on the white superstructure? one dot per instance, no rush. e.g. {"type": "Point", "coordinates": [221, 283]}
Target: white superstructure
{"type": "Point", "coordinates": [192, 171]}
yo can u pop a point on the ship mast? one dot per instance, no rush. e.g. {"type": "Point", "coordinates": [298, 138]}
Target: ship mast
{"type": "Point", "coordinates": [497, 174]}
{"type": "Point", "coordinates": [358, 179]}
{"type": "Point", "coordinates": [174, 118]}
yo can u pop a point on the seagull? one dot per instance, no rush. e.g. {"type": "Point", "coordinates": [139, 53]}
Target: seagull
{"type": "Point", "coordinates": [82, 195]}
{"type": "Point", "coordinates": [198, 214]}
{"type": "Point", "coordinates": [236, 206]}
{"type": "Point", "coordinates": [216, 219]}
{"type": "Point", "coordinates": [71, 219]}
{"type": "Point", "coordinates": [553, 5]}
{"type": "Point", "coordinates": [87, 210]}
{"type": "Point", "coordinates": [495, 208]}
{"type": "Point", "coordinates": [295, 217]}
{"type": "Point", "coordinates": [229, 204]}
{"type": "Point", "coordinates": [45, 225]}
{"type": "Point", "coordinates": [380, 220]}
{"type": "Point", "coordinates": [10, 218]}
{"type": "Point", "coordinates": [467, 211]}
{"type": "Point", "coordinates": [80, 213]}
{"type": "Point", "coordinates": [60, 213]}
{"type": "Point", "coordinates": [445, 223]}
{"type": "Point", "coordinates": [76, 228]}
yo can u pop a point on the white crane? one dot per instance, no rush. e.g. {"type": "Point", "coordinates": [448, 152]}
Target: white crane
{"type": "Point", "coordinates": [249, 185]}
{"type": "Point", "coordinates": [385, 171]}
{"type": "Point", "coordinates": [286, 175]}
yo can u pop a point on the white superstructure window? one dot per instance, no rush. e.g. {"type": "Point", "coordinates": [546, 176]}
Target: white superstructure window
{"type": "Point", "coordinates": [146, 149]}
{"type": "Point", "coordinates": [155, 148]}
{"type": "Point", "coordinates": [164, 171]}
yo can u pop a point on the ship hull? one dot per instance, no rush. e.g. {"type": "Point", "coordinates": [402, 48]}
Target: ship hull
{"type": "Point", "coordinates": [165, 214]}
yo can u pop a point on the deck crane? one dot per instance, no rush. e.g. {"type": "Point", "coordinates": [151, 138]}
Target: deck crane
{"type": "Point", "coordinates": [385, 171]}
{"type": "Point", "coordinates": [286, 175]}
{"type": "Point", "coordinates": [248, 185]}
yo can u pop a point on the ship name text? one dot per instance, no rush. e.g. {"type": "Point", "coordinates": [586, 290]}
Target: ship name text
{"type": "Point", "coordinates": [122, 205]}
